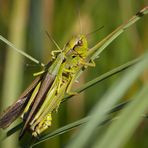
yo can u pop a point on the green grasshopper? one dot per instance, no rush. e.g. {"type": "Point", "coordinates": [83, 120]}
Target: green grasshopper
{"type": "Point", "coordinates": [46, 92]}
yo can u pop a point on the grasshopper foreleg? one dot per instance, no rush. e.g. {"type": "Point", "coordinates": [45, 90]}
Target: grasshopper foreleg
{"type": "Point", "coordinates": [38, 73]}
{"type": "Point", "coordinates": [86, 64]}
{"type": "Point", "coordinates": [53, 53]}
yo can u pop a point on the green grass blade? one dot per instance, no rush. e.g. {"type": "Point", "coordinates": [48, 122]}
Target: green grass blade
{"type": "Point", "coordinates": [118, 133]}
{"type": "Point", "coordinates": [66, 128]}
{"type": "Point", "coordinates": [78, 123]}
{"type": "Point", "coordinates": [98, 48]}
{"type": "Point", "coordinates": [101, 109]}
{"type": "Point", "coordinates": [21, 52]}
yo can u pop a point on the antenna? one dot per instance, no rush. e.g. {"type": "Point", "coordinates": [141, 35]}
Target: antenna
{"type": "Point", "coordinates": [88, 34]}
{"type": "Point", "coordinates": [52, 40]}
{"type": "Point", "coordinates": [80, 22]}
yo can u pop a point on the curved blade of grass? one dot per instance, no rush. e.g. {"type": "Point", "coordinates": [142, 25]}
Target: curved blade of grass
{"type": "Point", "coordinates": [116, 136]}
{"type": "Point", "coordinates": [21, 52]}
{"type": "Point", "coordinates": [78, 123]}
{"type": "Point", "coordinates": [101, 109]}
{"type": "Point", "coordinates": [67, 128]}
{"type": "Point", "coordinates": [89, 84]}
{"type": "Point", "coordinates": [98, 48]}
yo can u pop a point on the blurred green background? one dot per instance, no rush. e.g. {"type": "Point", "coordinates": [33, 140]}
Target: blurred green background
{"type": "Point", "coordinates": [24, 24]}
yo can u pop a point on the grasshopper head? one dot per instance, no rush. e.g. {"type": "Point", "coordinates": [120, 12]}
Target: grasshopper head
{"type": "Point", "coordinates": [78, 44]}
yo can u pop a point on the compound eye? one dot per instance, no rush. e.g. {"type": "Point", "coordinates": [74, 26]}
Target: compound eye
{"type": "Point", "coordinates": [79, 43]}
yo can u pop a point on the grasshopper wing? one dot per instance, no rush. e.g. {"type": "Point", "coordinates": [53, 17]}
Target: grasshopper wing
{"type": "Point", "coordinates": [15, 110]}
{"type": "Point", "coordinates": [46, 83]}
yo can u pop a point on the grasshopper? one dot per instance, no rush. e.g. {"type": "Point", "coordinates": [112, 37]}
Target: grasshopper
{"type": "Point", "coordinates": [46, 92]}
